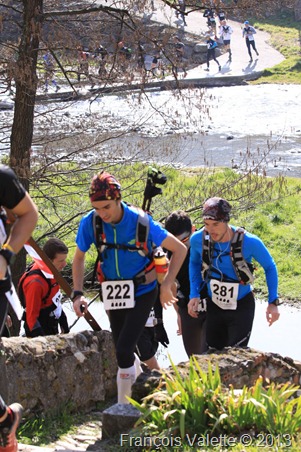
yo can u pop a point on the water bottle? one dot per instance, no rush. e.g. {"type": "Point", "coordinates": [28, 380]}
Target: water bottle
{"type": "Point", "coordinates": [161, 263]}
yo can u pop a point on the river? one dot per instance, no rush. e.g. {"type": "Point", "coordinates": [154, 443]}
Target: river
{"type": "Point", "coordinates": [217, 126]}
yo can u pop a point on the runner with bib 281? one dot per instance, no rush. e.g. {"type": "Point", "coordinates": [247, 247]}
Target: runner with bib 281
{"type": "Point", "coordinates": [221, 258]}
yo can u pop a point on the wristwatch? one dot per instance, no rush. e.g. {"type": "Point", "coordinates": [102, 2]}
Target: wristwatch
{"type": "Point", "coordinates": [8, 255]}
{"type": "Point", "coordinates": [75, 294]}
{"type": "Point", "coordinates": [275, 302]}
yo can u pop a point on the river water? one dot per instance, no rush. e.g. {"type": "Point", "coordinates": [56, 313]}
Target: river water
{"type": "Point", "coordinates": [219, 126]}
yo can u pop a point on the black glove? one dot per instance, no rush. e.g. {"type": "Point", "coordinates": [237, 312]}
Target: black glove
{"type": "Point", "coordinates": [161, 335]}
{"type": "Point", "coordinates": [5, 284]}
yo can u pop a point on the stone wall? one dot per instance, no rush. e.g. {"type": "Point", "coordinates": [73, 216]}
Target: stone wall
{"type": "Point", "coordinates": [47, 373]}
{"type": "Point", "coordinates": [237, 366]}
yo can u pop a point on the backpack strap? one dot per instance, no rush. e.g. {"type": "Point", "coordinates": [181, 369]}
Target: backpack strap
{"type": "Point", "coordinates": [206, 255]}
{"type": "Point", "coordinates": [243, 270]}
{"type": "Point", "coordinates": [142, 233]}
{"type": "Point", "coordinates": [27, 273]}
{"type": "Point", "coordinates": [99, 235]}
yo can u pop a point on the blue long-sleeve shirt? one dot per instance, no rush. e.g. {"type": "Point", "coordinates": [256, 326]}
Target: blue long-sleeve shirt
{"type": "Point", "coordinates": [252, 247]}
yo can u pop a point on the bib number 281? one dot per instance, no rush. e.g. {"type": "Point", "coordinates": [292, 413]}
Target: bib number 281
{"type": "Point", "coordinates": [224, 294]}
{"type": "Point", "coordinates": [118, 294]}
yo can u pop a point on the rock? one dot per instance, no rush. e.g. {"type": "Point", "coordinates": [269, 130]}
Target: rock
{"type": "Point", "coordinates": [237, 366]}
{"type": "Point", "coordinates": [200, 48]}
{"type": "Point", "coordinates": [119, 418]}
{"type": "Point", "coordinates": [146, 383]}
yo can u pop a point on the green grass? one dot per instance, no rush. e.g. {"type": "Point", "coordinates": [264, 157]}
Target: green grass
{"type": "Point", "coordinates": [278, 224]}
{"type": "Point", "coordinates": [285, 37]}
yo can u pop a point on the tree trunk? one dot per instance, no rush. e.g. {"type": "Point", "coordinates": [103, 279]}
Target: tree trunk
{"type": "Point", "coordinates": [26, 86]}
{"type": "Point", "coordinates": [22, 129]}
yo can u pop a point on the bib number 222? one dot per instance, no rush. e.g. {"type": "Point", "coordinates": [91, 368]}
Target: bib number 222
{"type": "Point", "coordinates": [118, 294]}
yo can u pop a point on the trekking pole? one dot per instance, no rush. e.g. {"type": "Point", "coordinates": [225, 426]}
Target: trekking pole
{"type": "Point", "coordinates": [154, 177]}
{"type": "Point", "coordinates": [63, 283]}
{"type": "Point", "coordinates": [77, 319]}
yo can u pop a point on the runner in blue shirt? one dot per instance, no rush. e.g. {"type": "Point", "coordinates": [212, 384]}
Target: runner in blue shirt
{"type": "Point", "coordinates": [230, 302]}
{"type": "Point", "coordinates": [129, 275]}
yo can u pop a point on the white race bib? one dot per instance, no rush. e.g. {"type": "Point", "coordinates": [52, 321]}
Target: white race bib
{"type": "Point", "coordinates": [118, 294]}
{"type": "Point", "coordinates": [224, 294]}
{"type": "Point", "coordinates": [57, 301]}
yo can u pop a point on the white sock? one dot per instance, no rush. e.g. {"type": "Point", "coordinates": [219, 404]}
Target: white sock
{"type": "Point", "coordinates": [137, 365]}
{"type": "Point", "coordinates": [125, 378]}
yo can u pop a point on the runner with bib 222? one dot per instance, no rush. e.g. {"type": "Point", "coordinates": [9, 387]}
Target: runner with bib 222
{"type": "Point", "coordinates": [130, 288]}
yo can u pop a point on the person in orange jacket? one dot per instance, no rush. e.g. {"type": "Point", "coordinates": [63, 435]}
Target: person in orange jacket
{"type": "Point", "coordinates": [40, 294]}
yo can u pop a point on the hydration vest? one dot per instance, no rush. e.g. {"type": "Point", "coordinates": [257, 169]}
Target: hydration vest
{"type": "Point", "coordinates": [242, 268]}
{"type": "Point", "coordinates": [29, 272]}
{"type": "Point", "coordinates": [142, 233]}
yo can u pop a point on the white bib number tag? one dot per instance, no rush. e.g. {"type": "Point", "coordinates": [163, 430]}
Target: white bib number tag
{"type": "Point", "coordinates": [202, 307]}
{"type": "Point", "coordinates": [57, 301]}
{"type": "Point", "coordinates": [224, 294]}
{"type": "Point", "coordinates": [118, 294]}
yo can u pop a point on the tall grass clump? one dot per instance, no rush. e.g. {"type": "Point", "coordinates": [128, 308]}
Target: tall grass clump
{"type": "Point", "coordinates": [201, 403]}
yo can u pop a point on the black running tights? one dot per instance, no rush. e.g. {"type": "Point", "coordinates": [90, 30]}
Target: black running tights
{"type": "Point", "coordinates": [127, 326]}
